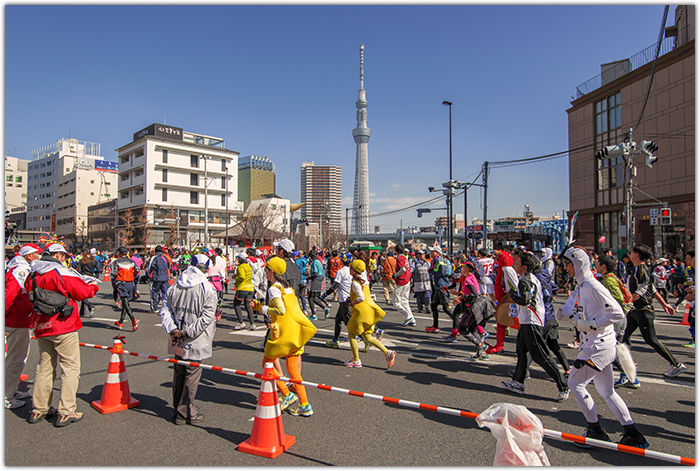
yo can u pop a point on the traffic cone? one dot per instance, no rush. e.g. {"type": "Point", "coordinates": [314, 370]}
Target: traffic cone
{"type": "Point", "coordinates": [115, 394]}
{"type": "Point", "coordinates": [268, 438]}
{"type": "Point", "coordinates": [106, 277]}
{"type": "Point", "coordinates": [686, 313]}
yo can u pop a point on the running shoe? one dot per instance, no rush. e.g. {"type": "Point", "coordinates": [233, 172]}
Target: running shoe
{"type": "Point", "coordinates": [353, 364]}
{"type": "Point", "coordinates": [333, 344]}
{"type": "Point", "coordinates": [573, 344]}
{"type": "Point", "coordinates": [239, 326]}
{"type": "Point", "coordinates": [514, 386]}
{"type": "Point", "coordinates": [390, 358]}
{"type": "Point", "coordinates": [493, 350]}
{"type": "Point", "coordinates": [13, 403]}
{"type": "Point", "coordinates": [407, 322]}
{"type": "Point", "coordinates": [119, 326]}
{"type": "Point", "coordinates": [637, 442]}
{"type": "Point", "coordinates": [304, 411]}
{"type": "Point", "coordinates": [633, 384]}
{"type": "Point", "coordinates": [480, 351]}
{"type": "Point", "coordinates": [135, 325]}
{"type": "Point", "coordinates": [562, 395]}
{"type": "Point", "coordinates": [690, 344]}
{"type": "Point", "coordinates": [432, 330]}
{"type": "Point", "coordinates": [590, 433]}
{"type": "Point", "coordinates": [118, 304]}
{"type": "Point", "coordinates": [313, 317]}
{"type": "Point", "coordinates": [253, 327]}
{"type": "Point", "coordinates": [622, 381]}
{"type": "Point", "coordinates": [675, 370]}
{"type": "Point", "coordinates": [366, 348]}
{"type": "Point", "coordinates": [92, 314]}
{"type": "Point", "coordinates": [378, 334]}
{"type": "Point", "coordinates": [327, 311]}
{"type": "Point", "coordinates": [288, 400]}
{"type": "Point", "coordinates": [449, 339]}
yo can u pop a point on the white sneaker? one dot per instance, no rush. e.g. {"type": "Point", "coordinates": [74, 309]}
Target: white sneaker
{"type": "Point", "coordinates": [13, 403]}
{"type": "Point", "coordinates": [239, 326]}
{"type": "Point", "coordinates": [562, 396]}
{"type": "Point", "coordinates": [675, 370]}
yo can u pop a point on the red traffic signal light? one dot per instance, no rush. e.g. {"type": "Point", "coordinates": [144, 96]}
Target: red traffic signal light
{"type": "Point", "coordinates": [665, 216]}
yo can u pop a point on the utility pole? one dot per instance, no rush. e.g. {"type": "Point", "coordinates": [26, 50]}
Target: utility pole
{"type": "Point", "coordinates": [485, 182]}
{"type": "Point", "coordinates": [630, 172]}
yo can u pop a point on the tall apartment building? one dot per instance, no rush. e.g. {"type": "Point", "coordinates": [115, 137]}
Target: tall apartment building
{"type": "Point", "coordinates": [166, 173]}
{"type": "Point", "coordinates": [321, 191]}
{"type": "Point", "coordinates": [256, 178]}
{"type": "Point", "coordinates": [609, 105]}
{"type": "Point", "coordinates": [15, 184]}
{"type": "Point", "coordinates": [63, 180]}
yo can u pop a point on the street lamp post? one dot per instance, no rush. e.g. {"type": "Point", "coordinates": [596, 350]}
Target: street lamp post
{"type": "Point", "coordinates": [206, 206]}
{"type": "Point", "coordinates": [227, 215]}
{"type": "Point", "coordinates": [449, 197]}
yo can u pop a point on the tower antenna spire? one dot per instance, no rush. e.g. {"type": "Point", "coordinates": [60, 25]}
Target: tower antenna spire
{"type": "Point", "coordinates": [362, 66]}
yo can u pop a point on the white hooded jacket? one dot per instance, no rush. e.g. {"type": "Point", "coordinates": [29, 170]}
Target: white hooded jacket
{"type": "Point", "coordinates": [190, 306]}
{"type": "Point", "coordinates": [598, 305]}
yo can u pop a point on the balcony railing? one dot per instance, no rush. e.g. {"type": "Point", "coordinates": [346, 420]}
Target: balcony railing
{"type": "Point", "coordinates": [625, 66]}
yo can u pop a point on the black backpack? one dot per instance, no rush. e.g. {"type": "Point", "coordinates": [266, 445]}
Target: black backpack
{"type": "Point", "coordinates": [48, 302]}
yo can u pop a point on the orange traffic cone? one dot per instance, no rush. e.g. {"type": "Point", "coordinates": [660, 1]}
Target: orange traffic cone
{"type": "Point", "coordinates": [106, 278]}
{"type": "Point", "coordinates": [268, 438]}
{"type": "Point", "coordinates": [115, 394]}
{"type": "Point", "coordinates": [686, 313]}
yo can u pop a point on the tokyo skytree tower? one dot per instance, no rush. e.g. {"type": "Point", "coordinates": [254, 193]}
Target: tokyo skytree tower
{"type": "Point", "coordinates": [361, 134]}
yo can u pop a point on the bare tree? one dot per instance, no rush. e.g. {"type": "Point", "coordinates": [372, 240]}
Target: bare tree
{"type": "Point", "coordinates": [334, 239]}
{"type": "Point", "coordinates": [261, 223]}
{"type": "Point", "coordinates": [127, 233]}
{"type": "Point", "coordinates": [145, 231]}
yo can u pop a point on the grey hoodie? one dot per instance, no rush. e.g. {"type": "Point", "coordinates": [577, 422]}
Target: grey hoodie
{"type": "Point", "coordinates": [190, 306]}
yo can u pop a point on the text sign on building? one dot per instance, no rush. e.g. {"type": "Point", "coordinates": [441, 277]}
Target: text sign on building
{"type": "Point", "coordinates": [106, 165]}
{"type": "Point", "coordinates": [160, 130]}
{"type": "Point", "coordinates": [504, 226]}
{"type": "Point", "coordinates": [654, 216]}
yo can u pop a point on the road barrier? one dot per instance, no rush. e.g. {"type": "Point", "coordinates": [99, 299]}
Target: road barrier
{"type": "Point", "coordinates": [417, 405]}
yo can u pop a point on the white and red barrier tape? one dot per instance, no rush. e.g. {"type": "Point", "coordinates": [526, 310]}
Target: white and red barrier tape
{"type": "Point", "coordinates": [416, 405]}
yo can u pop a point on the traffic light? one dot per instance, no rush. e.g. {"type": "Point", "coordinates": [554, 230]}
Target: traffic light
{"type": "Point", "coordinates": [610, 152]}
{"type": "Point", "coordinates": [665, 216]}
{"type": "Point", "coordinates": [422, 210]}
{"type": "Point", "coordinates": [7, 214]}
{"type": "Point", "coordinates": [648, 147]}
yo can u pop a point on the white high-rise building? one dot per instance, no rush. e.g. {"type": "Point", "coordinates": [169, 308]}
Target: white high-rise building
{"type": "Point", "coordinates": [166, 173]}
{"type": "Point", "coordinates": [361, 134]}
{"type": "Point", "coordinates": [63, 179]}
{"type": "Point", "coordinates": [15, 184]}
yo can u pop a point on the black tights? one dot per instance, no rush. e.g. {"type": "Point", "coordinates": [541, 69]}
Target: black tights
{"type": "Point", "coordinates": [126, 310]}
{"type": "Point", "coordinates": [645, 321]}
{"type": "Point", "coordinates": [315, 299]}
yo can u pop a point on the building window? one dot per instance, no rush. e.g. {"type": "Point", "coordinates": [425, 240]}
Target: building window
{"type": "Point", "coordinates": [194, 197]}
{"type": "Point", "coordinates": [194, 179]}
{"type": "Point", "coordinates": [8, 178]}
{"type": "Point", "coordinates": [164, 197]}
{"type": "Point", "coordinates": [194, 161]}
{"type": "Point", "coordinates": [165, 156]}
{"type": "Point", "coordinates": [223, 200]}
{"type": "Point", "coordinates": [124, 159]}
{"type": "Point", "coordinates": [607, 224]}
{"type": "Point", "coordinates": [223, 182]}
{"type": "Point", "coordinates": [608, 114]}
{"type": "Point", "coordinates": [223, 165]}
{"type": "Point", "coordinates": [18, 179]}
{"type": "Point", "coordinates": [165, 176]}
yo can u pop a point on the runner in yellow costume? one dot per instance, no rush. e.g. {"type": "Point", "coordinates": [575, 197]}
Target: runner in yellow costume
{"type": "Point", "coordinates": [290, 329]}
{"type": "Point", "coordinates": [365, 313]}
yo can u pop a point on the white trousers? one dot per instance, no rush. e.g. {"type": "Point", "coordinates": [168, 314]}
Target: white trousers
{"type": "Point", "coordinates": [401, 300]}
{"type": "Point", "coordinates": [17, 341]}
{"type": "Point", "coordinates": [604, 384]}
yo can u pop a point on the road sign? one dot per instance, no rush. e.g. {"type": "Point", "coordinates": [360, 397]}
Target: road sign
{"type": "Point", "coordinates": [470, 228]}
{"type": "Point", "coordinates": [654, 216]}
{"type": "Point", "coordinates": [479, 228]}
{"type": "Point", "coordinates": [504, 226]}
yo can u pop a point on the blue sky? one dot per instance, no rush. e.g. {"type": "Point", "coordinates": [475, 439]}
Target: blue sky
{"type": "Point", "coordinates": [282, 81]}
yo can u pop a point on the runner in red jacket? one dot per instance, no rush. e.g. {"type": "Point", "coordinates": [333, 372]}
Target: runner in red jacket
{"type": "Point", "coordinates": [503, 259]}
{"type": "Point", "coordinates": [57, 336]}
{"type": "Point", "coordinates": [18, 320]}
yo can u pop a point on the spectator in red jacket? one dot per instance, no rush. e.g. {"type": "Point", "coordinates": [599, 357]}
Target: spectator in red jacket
{"type": "Point", "coordinates": [18, 320]}
{"type": "Point", "coordinates": [57, 336]}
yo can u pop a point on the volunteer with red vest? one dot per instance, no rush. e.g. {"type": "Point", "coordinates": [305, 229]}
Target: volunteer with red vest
{"type": "Point", "coordinates": [57, 336]}
{"type": "Point", "coordinates": [18, 320]}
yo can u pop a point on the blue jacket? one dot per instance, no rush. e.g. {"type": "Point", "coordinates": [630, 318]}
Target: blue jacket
{"type": "Point", "coordinates": [301, 263]}
{"type": "Point", "coordinates": [438, 271]}
{"type": "Point", "coordinates": [159, 267]}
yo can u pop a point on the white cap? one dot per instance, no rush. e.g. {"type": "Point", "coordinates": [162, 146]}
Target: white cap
{"type": "Point", "coordinates": [56, 248]}
{"type": "Point", "coordinates": [242, 255]}
{"type": "Point", "coordinates": [29, 248]}
{"type": "Point", "coordinates": [93, 251]}
{"type": "Point", "coordinates": [437, 249]}
{"type": "Point", "coordinates": [287, 245]}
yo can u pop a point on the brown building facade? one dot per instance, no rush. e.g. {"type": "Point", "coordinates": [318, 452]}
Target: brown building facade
{"type": "Point", "coordinates": [603, 116]}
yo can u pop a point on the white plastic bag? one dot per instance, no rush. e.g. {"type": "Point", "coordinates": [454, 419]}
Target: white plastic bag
{"type": "Point", "coordinates": [519, 433]}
